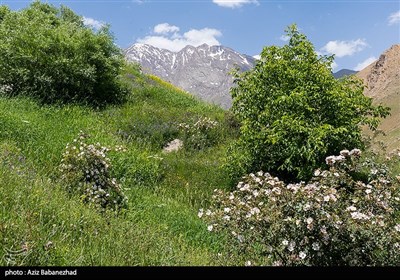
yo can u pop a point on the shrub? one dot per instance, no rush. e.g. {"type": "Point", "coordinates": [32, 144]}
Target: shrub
{"type": "Point", "coordinates": [231, 122]}
{"type": "Point", "coordinates": [334, 219]}
{"type": "Point", "coordinates": [85, 169]}
{"type": "Point", "coordinates": [293, 112]}
{"type": "Point", "coordinates": [201, 134]}
{"type": "Point", "coordinates": [48, 53]}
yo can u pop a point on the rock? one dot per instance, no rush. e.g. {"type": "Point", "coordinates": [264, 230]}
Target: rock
{"type": "Point", "coordinates": [173, 146]}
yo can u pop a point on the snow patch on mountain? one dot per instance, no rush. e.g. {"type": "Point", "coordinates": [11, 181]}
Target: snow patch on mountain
{"type": "Point", "coordinates": [202, 71]}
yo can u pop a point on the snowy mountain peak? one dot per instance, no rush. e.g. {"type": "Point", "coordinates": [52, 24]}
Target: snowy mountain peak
{"type": "Point", "coordinates": [202, 71]}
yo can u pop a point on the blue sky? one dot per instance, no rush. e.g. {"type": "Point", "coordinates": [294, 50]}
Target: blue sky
{"type": "Point", "coordinates": [356, 31]}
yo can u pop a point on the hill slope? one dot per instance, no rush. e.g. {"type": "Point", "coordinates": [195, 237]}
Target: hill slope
{"type": "Point", "coordinates": [41, 224]}
{"type": "Point", "coordinates": [382, 79]}
{"type": "Point", "coordinates": [202, 71]}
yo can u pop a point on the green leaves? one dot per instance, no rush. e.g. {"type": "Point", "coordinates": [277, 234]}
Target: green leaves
{"type": "Point", "coordinates": [293, 112]}
{"type": "Point", "coordinates": [48, 53]}
{"type": "Point", "coordinates": [4, 10]}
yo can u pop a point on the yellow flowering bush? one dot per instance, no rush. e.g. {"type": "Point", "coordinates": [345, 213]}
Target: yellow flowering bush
{"type": "Point", "coordinates": [347, 215]}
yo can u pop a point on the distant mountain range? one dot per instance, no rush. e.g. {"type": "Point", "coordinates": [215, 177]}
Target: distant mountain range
{"type": "Point", "coordinates": [202, 71]}
{"type": "Point", "coordinates": [344, 72]}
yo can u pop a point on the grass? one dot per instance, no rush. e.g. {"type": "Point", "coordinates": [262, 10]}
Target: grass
{"type": "Point", "coordinates": [42, 224]}
{"type": "Point", "coordinates": [79, 235]}
{"type": "Point", "coordinates": [390, 125]}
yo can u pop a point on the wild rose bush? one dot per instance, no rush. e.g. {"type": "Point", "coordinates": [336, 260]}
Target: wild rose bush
{"type": "Point", "coordinates": [334, 219]}
{"type": "Point", "coordinates": [85, 168]}
{"type": "Point", "coordinates": [201, 134]}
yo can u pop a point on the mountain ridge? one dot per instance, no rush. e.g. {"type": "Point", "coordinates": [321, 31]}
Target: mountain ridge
{"type": "Point", "coordinates": [343, 72]}
{"type": "Point", "coordinates": [202, 71]}
{"type": "Point", "coordinates": [382, 80]}
{"type": "Point", "coordinates": [383, 73]}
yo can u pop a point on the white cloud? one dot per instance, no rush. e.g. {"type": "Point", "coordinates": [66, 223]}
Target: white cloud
{"type": "Point", "coordinates": [394, 18]}
{"type": "Point", "coordinates": [174, 41]}
{"type": "Point", "coordinates": [164, 28]}
{"type": "Point", "coordinates": [257, 56]}
{"type": "Point", "coordinates": [360, 66]}
{"type": "Point", "coordinates": [284, 38]}
{"type": "Point", "coordinates": [234, 3]}
{"type": "Point", "coordinates": [92, 23]}
{"type": "Point", "coordinates": [344, 48]}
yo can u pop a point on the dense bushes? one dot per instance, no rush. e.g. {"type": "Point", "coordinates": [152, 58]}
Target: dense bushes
{"type": "Point", "coordinates": [347, 215]}
{"type": "Point", "coordinates": [48, 53]}
{"type": "Point", "coordinates": [293, 112]}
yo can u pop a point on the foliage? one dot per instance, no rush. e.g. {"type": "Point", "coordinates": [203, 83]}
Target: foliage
{"type": "Point", "coordinates": [85, 169]}
{"type": "Point", "coordinates": [134, 168]}
{"type": "Point", "coordinates": [293, 112]}
{"type": "Point", "coordinates": [199, 135]}
{"type": "Point", "coordinates": [334, 219]}
{"type": "Point", "coordinates": [4, 10]}
{"type": "Point", "coordinates": [12, 160]}
{"type": "Point", "coordinates": [48, 53]}
{"type": "Point", "coordinates": [152, 131]}
{"type": "Point", "coordinates": [42, 224]}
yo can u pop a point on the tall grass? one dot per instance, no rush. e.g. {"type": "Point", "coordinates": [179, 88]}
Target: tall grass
{"type": "Point", "coordinates": [41, 224]}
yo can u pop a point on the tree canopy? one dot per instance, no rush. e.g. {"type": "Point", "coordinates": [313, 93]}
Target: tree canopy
{"type": "Point", "coordinates": [49, 53]}
{"type": "Point", "coordinates": [293, 112]}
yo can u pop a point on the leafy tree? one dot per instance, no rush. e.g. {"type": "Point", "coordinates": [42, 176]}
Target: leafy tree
{"type": "Point", "coordinates": [4, 10]}
{"type": "Point", "coordinates": [48, 52]}
{"type": "Point", "coordinates": [293, 112]}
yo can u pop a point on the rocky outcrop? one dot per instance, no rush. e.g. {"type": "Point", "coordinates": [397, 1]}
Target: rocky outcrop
{"type": "Point", "coordinates": [382, 80]}
{"type": "Point", "coordinates": [382, 77]}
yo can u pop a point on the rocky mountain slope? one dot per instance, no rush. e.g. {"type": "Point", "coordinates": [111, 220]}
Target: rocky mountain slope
{"type": "Point", "coordinates": [202, 71]}
{"type": "Point", "coordinates": [382, 77]}
{"type": "Point", "coordinates": [382, 80]}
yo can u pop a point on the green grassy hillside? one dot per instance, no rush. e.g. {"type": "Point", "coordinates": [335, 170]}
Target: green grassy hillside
{"type": "Point", "coordinates": [42, 224]}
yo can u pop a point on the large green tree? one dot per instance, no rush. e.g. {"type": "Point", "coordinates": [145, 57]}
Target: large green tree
{"type": "Point", "coordinates": [48, 52]}
{"type": "Point", "coordinates": [293, 112]}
